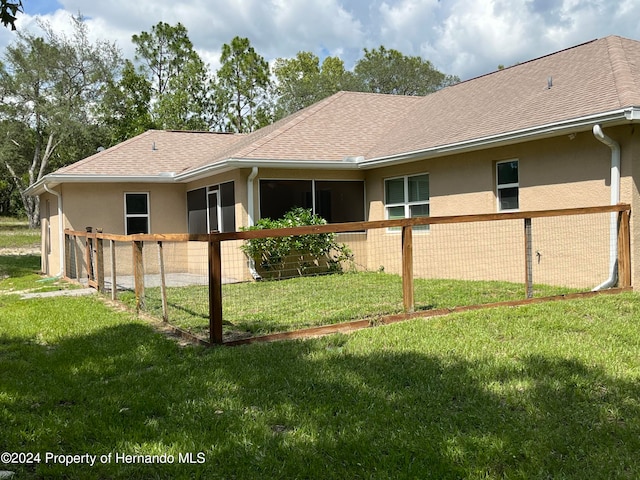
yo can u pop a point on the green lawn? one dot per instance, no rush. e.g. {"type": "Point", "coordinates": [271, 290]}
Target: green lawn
{"type": "Point", "coordinates": [16, 233]}
{"type": "Point", "coordinates": [276, 306]}
{"type": "Point", "coordinates": [543, 391]}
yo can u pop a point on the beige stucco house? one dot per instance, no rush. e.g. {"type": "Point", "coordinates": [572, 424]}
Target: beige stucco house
{"type": "Point", "coordinates": [559, 131]}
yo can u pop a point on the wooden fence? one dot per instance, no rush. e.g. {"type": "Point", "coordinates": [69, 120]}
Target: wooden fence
{"type": "Point", "coordinates": [95, 243]}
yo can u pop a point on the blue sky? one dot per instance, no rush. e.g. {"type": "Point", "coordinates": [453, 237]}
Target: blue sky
{"type": "Point", "coordinates": [41, 7]}
{"type": "Point", "coordinates": [460, 37]}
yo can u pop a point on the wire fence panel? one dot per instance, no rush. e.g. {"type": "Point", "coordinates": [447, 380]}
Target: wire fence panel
{"type": "Point", "coordinates": [265, 282]}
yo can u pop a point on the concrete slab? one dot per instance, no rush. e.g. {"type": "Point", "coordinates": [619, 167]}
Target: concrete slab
{"type": "Point", "coordinates": [60, 293]}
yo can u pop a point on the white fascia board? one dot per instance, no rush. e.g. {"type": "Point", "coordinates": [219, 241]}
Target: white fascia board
{"type": "Point", "coordinates": [233, 163]}
{"type": "Point", "coordinates": [53, 180]}
{"type": "Point", "coordinates": [543, 131]}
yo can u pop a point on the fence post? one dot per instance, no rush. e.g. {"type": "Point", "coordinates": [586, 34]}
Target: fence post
{"type": "Point", "coordinates": [138, 274]}
{"type": "Point", "coordinates": [87, 255]}
{"type": "Point", "coordinates": [528, 255]}
{"type": "Point", "coordinates": [78, 257]}
{"type": "Point", "coordinates": [114, 285]}
{"type": "Point", "coordinates": [624, 250]}
{"type": "Point", "coordinates": [67, 255]}
{"type": "Point", "coordinates": [100, 260]}
{"type": "Point", "coordinates": [215, 290]}
{"type": "Point", "coordinates": [163, 286]}
{"type": "Point", "coordinates": [407, 269]}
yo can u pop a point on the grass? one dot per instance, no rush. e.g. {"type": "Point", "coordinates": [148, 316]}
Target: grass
{"type": "Point", "coordinates": [276, 306]}
{"type": "Point", "coordinates": [534, 392]}
{"type": "Point", "coordinates": [542, 391]}
{"type": "Point", "coordinates": [16, 233]}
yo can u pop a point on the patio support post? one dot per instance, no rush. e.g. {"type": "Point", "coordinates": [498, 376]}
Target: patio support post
{"type": "Point", "coordinates": [407, 269]}
{"type": "Point", "coordinates": [215, 290]}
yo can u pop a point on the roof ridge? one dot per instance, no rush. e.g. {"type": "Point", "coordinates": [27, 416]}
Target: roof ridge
{"type": "Point", "coordinates": [302, 115]}
{"type": "Point", "coordinates": [623, 78]}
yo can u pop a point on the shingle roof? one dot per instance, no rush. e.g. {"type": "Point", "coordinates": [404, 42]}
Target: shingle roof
{"type": "Point", "coordinates": [154, 152]}
{"type": "Point", "coordinates": [593, 78]}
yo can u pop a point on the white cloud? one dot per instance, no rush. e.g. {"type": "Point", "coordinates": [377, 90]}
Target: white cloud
{"type": "Point", "coordinates": [461, 37]}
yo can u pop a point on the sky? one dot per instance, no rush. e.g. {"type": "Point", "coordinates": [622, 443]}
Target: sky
{"type": "Point", "coordinates": [467, 38]}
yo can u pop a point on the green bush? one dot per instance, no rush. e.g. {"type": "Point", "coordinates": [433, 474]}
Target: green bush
{"type": "Point", "coordinates": [298, 255]}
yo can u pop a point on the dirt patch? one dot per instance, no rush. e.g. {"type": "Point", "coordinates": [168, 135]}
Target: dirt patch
{"type": "Point", "coordinates": [12, 251]}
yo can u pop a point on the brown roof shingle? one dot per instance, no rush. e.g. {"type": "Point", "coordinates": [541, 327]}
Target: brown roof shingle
{"type": "Point", "coordinates": [154, 152]}
{"type": "Point", "coordinates": [593, 78]}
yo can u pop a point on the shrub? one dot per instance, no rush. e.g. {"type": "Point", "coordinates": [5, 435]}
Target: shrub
{"type": "Point", "coordinates": [298, 255]}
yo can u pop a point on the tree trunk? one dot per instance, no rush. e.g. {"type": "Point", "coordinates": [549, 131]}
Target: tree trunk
{"type": "Point", "coordinates": [36, 172]}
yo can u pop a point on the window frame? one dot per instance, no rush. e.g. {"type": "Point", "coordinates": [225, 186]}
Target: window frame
{"type": "Point", "coordinates": [505, 186]}
{"type": "Point", "coordinates": [406, 203]}
{"type": "Point", "coordinates": [128, 215]}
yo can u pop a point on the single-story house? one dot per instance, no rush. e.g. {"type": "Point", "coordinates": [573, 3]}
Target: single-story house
{"type": "Point", "coordinates": [555, 132]}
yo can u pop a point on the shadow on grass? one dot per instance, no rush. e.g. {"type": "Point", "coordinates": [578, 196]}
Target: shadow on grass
{"type": "Point", "coordinates": [19, 265]}
{"type": "Point", "coordinates": [313, 409]}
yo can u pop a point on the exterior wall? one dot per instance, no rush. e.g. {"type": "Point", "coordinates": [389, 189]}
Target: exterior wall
{"type": "Point", "coordinates": [561, 172]}
{"type": "Point", "coordinates": [631, 171]}
{"type": "Point", "coordinates": [50, 237]}
{"type": "Point", "coordinates": [102, 206]}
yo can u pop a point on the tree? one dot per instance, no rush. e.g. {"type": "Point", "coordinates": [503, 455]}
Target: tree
{"type": "Point", "coordinates": [176, 73]}
{"type": "Point", "coordinates": [52, 87]}
{"type": "Point", "coordinates": [243, 82]}
{"type": "Point", "coordinates": [8, 12]}
{"type": "Point", "coordinates": [389, 71]}
{"type": "Point", "coordinates": [126, 107]}
{"type": "Point", "coordinates": [302, 81]}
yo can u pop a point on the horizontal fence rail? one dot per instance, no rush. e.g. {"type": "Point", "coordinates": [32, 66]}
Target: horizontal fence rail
{"type": "Point", "coordinates": [209, 286]}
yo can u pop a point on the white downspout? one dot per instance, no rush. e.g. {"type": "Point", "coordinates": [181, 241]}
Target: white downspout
{"type": "Point", "coordinates": [250, 208]}
{"type": "Point", "coordinates": [60, 228]}
{"type": "Point", "coordinates": [251, 217]}
{"type": "Point", "coordinates": [615, 199]}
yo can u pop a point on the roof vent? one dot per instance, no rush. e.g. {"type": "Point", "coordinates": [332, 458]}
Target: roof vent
{"type": "Point", "coordinates": [153, 146]}
{"type": "Point", "coordinates": [549, 82]}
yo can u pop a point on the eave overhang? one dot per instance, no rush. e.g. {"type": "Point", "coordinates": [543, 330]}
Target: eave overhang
{"type": "Point", "coordinates": [53, 180]}
{"type": "Point", "coordinates": [612, 118]}
{"type": "Point", "coordinates": [348, 163]}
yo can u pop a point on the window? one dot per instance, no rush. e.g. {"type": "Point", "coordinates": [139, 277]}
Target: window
{"type": "Point", "coordinates": [507, 185]}
{"type": "Point", "coordinates": [211, 209]}
{"type": "Point", "coordinates": [136, 213]}
{"type": "Point", "coordinates": [334, 200]}
{"type": "Point", "coordinates": [407, 197]}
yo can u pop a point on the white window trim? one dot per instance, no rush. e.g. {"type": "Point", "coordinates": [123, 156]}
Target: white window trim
{"type": "Point", "coordinates": [210, 190]}
{"type": "Point", "coordinates": [507, 185]}
{"type": "Point", "coordinates": [406, 204]}
{"type": "Point", "coordinates": [137, 215]}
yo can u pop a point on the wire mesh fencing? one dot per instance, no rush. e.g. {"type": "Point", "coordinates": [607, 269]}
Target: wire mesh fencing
{"type": "Point", "coordinates": [232, 286]}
